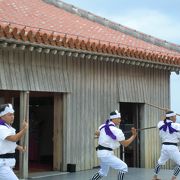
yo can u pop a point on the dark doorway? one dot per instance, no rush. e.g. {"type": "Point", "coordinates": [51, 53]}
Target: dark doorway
{"type": "Point", "coordinates": [40, 133]}
{"type": "Point", "coordinates": [130, 113]}
{"type": "Point", "coordinates": [41, 119]}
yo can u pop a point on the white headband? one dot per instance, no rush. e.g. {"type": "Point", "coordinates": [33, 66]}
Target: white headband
{"type": "Point", "coordinates": [8, 109]}
{"type": "Point", "coordinates": [171, 114]}
{"type": "Point", "coordinates": [117, 115]}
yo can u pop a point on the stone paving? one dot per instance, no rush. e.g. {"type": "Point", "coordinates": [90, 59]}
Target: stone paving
{"type": "Point", "coordinates": [133, 174]}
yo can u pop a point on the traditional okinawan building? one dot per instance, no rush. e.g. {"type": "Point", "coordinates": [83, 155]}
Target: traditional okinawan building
{"type": "Point", "coordinates": [68, 68]}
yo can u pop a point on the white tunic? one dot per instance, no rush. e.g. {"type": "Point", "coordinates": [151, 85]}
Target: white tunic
{"type": "Point", "coordinates": [107, 141]}
{"type": "Point", "coordinates": [107, 158]}
{"type": "Point", "coordinates": [5, 145]}
{"type": "Point", "coordinates": [6, 164]}
{"type": "Point", "coordinates": [169, 151]}
{"type": "Point", "coordinates": [166, 136]}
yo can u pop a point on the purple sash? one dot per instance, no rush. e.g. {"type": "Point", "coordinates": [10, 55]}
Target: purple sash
{"type": "Point", "coordinates": [107, 129]}
{"type": "Point", "coordinates": [168, 125]}
{"type": "Point", "coordinates": [2, 122]}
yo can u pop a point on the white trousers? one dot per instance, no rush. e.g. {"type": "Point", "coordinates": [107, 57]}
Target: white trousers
{"type": "Point", "coordinates": [113, 162]}
{"type": "Point", "coordinates": [6, 171]}
{"type": "Point", "coordinates": [169, 152]}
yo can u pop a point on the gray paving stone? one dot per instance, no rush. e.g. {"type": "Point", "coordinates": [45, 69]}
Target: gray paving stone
{"type": "Point", "coordinates": [133, 174]}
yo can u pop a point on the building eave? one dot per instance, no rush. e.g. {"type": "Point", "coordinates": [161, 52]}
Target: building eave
{"type": "Point", "coordinates": [84, 54]}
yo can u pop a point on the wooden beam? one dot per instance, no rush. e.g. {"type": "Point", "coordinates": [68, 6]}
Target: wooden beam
{"type": "Point", "coordinates": [39, 49]}
{"type": "Point", "coordinates": [24, 115]}
{"type": "Point", "coordinates": [75, 54]}
{"type": "Point", "coordinates": [117, 60]}
{"type": "Point", "coordinates": [4, 44]}
{"type": "Point", "coordinates": [31, 48]}
{"type": "Point", "coordinates": [22, 47]}
{"type": "Point", "coordinates": [62, 53]}
{"type": "Point", "coordinates": [54, 51]}
{"type": "Point", "coordinates": [58, 133]}
{"type": "Point", "coordinates": [46, 51]}
{"type": "Point", "coordinates": [82, 55]}
{"type": "Point", "coordinates": [122, 61]}
{"type": "Point", "coordinates": [101, 58]}
{"type": "Point", "coordinates": [88, 56]}
{"type": "Point", "coordinates": [94, 57]}
{"type": "Point", "coordinates": [13, 46]}
{"type": "Point", "coordinates": [69, 53]}
{"type": "Point", "coordinates": [107, 59]}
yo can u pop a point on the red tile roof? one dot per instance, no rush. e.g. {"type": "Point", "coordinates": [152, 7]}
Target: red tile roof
{"type": "Point", "coordinates": [40, 22]}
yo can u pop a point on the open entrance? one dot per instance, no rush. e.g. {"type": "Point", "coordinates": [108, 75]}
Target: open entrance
{"type": "Point", "coordinates": [40, 134]}
{"type": "Point", "coordinates": [40, 152]}
{"type": "Point", "coordinates": [45, 128]}
{"type": "Point", "coordinates": [131, 114]}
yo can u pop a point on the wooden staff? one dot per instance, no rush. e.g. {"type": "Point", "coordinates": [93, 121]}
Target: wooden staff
{"type": "Point", "coordinates": [142, 129]}
{"type": "Point", "coordinates": [161, 108]}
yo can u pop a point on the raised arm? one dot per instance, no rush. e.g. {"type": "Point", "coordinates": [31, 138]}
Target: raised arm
{"type": "Point", "coordinates": [19, 135]}
{"type": "Point", "coordinates": [127, 142]}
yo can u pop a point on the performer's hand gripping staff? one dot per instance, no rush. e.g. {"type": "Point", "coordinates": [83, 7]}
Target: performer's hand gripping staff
{"type": "Point", "coordinates": [132, 130]}
{"type": "Point", "coordinates": [128, 141]}
{"type": "Point", "coordinates": [25, 126]}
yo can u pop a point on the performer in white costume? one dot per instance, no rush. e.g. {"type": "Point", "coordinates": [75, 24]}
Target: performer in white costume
{"type": "Point", "coordinates": [169, 132]}
{"type": "Point", "coordinates": [8, 139]}
{"type": "Point", "coordinates": [110, 138]}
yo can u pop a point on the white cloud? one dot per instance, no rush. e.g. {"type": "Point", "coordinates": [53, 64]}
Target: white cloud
{"type": "Point", "coordinates": [151, 22]}
{"type": "Point", "coordinates": [175, 87]}
{"type": "Point", "coordinates": [160, 26]}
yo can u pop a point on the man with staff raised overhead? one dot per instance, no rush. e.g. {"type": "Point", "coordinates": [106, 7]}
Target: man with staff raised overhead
{"type": "Point", "coordinates": [110, 138]}
{"type": "Point", "coordinates": [169, 132]}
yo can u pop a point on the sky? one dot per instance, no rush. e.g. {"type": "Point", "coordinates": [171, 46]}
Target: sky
{"type": "Point", "coordinates": [158, 18]}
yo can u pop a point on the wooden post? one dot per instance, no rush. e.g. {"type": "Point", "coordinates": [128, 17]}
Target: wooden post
{"type": "Point", "coordinates": [24, 115]}
{"type": "Point", "coordinates": [58, 133]}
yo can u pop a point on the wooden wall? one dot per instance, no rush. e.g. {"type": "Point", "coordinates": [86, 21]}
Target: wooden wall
{"type": "Point", "coordinates": [92, 88]}
{"type": "Point", "coordinates": [26, 70]}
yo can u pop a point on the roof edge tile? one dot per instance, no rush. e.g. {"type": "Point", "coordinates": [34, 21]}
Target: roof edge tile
{"type": "Point", "coordinates": [113, 25]}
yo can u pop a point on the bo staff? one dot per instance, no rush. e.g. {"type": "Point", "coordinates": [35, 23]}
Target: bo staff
{"type": "Point", "coordinates": [161, 108]}
{"type": "Point", "coordinates": [142, 129]}
{"type": "Point", "coordinates": [146, 128]}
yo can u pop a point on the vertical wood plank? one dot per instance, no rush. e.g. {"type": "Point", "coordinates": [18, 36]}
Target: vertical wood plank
{"type": "Point", "coordinates": [58, 132]}
{"type": "Point", "coordinates": [24, 115]}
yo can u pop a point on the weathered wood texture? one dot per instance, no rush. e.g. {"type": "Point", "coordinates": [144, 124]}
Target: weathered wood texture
{"type": "Point", "coordinates": [58, 133]}
{"type": "Point", "coordinates": [24, 116]}
{"type": "Point", "coordinates": [92, 88]}
{"type": "Point", "coordinates": [25, 70]}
